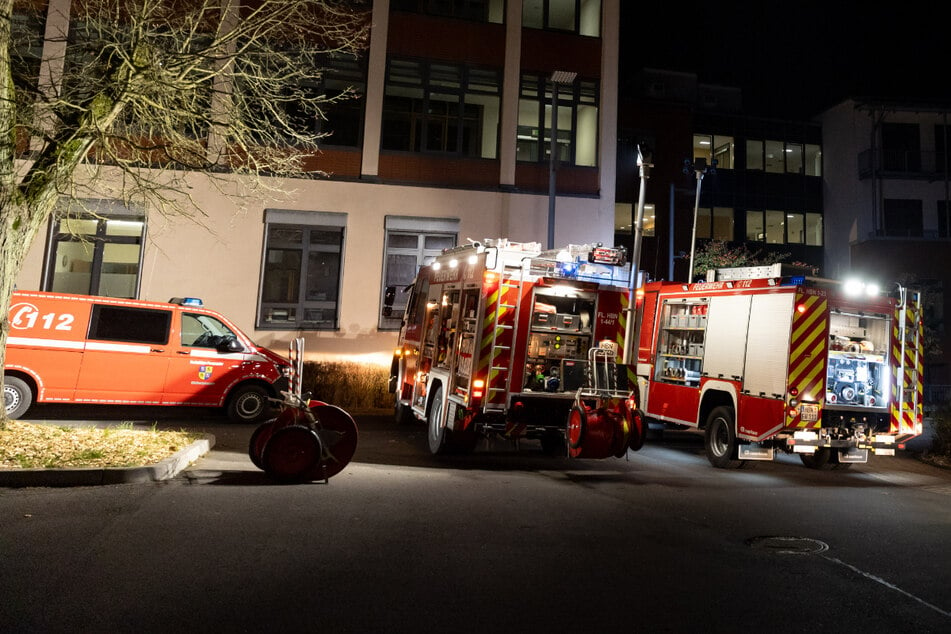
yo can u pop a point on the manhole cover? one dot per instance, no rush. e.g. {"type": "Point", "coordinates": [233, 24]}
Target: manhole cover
{"type": "Point", "coordinates": [788, 545]}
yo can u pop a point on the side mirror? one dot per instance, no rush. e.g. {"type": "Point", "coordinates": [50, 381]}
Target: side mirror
{"type": "Point", "coordinates": [230, 344]}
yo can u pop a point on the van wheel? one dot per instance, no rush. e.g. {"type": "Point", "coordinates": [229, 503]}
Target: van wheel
{"type": "Point", "coordinates": [720, 439]}
{"type": "Point", "coordinates": [17, 396]}
{"type": "Point", "coordinates": [247, 404]}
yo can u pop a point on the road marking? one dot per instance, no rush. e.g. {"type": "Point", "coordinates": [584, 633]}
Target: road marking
{"type": "Point", "coordinates": [887, 584]}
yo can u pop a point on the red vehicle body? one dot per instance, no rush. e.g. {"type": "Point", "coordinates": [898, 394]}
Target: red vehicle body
{"type": "Point", "coordinates": [503, 338]}
{"type": "Point", "coordinates": [762, 362]}
{"type": "Point", "coordinates": [82, 349]}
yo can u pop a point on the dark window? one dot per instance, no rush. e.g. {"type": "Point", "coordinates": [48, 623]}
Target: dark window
{"type": "Point", "coordinates": [341, 118]}
{"type": "Point", "coordinates": [438, 107]}
{"type": "Point", "coordinates": [406, 252]}
{"type": "Point", "coordinates": [477, 10]}
{"type": "Point", "coordinates": [942, 165]}
{"type": "Point", "coordinates": [132, 325]}
{"type": "Point", "coordinates": [901, 147]}
{"type": "Point", "coordinates": [944, 219]}
{"type": "Point", "coordinates": [903, 218]}
{"type": "Point", "coordinates": [301, 283]}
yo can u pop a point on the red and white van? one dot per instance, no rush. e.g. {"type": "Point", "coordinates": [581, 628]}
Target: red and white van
{"type": "Point", "coordinates": [82, 349]}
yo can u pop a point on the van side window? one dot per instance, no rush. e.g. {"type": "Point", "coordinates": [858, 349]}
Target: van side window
{"type": "Point", "coordinates": [204, 331]}
{"type": "Point", "coordinates": [134, 325]}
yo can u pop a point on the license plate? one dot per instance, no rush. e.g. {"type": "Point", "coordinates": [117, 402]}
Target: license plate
{"type": "Point", "coordinates": [809, 412]}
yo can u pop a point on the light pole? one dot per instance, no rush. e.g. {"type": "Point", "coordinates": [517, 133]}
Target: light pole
{"type": "Point", "coordinates": [558, 78]}
{"type": "Point", "coordinates": [700, 168]}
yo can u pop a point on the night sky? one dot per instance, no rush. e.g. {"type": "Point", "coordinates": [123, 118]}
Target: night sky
{"type": "Point", "coordinates": [798, 62]}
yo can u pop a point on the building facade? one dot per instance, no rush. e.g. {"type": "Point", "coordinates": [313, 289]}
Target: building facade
{"type": "Point", "coordinates": [887, 190]}
{"type": "Point", "coordinates": [765, 193]}
{"type": "Point", "coordinates": [448, 141]}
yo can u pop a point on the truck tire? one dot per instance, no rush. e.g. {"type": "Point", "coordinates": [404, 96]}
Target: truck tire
{"type": "Point", "coordinates": [437, 432]}
{"type": "Point", "coordinates": [720, 439]}
{"type": "Point", "coordinates": [17, 396]}
{"type": "Point", "coordinates": [247, 404]}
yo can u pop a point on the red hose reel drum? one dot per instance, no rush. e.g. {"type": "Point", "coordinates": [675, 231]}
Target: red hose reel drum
{"type": "Point", "coordinates": [607, 429]}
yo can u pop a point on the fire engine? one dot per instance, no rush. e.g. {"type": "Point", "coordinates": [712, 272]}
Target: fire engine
{"type": "Point", "coordinates": [762, 360]}
{"type": "Point", "coordinates": [504, 338]}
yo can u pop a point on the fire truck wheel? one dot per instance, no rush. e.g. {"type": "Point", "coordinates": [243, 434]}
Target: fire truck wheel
{"type": "Point", "coordinates": [17, 396]}
{"type": "Point", "coordinates": [247, 404]}
{"type": "Point", "coordinates": [720, 439]}
{"type": "Point", "coordinates": [437, 433]}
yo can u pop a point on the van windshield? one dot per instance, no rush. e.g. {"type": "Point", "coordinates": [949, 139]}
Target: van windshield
{"type": "Point", "coordinates": [204, 331]}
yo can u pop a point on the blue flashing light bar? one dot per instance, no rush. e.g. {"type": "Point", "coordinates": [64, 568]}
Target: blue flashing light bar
{"type": "Point", "coordinates": [186, 301]}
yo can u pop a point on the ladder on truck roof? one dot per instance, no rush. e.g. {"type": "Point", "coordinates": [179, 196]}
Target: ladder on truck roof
{"type": "Point", "coordinates": [503, 339]}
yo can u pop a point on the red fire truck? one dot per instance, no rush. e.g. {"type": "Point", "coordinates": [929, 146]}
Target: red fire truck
{"type": "Point", "coordinates": [504, 338]}
{"type": "Point", "coordinates": [764, 361]}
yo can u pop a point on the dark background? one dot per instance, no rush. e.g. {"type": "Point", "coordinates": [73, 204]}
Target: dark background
{"type": "Point", "coordinates": [794, 59]}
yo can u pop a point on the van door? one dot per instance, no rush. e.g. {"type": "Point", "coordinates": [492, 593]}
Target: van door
{"type": "Point", "coordinates": [202, 369]}
{"type": "Point", "coordinates": [126, 356]}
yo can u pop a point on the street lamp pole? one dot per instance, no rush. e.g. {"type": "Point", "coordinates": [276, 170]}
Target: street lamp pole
{"type": "Point", "coordinates": [701, 169]}
{"type": "Point", "coordinates": [558, 78]}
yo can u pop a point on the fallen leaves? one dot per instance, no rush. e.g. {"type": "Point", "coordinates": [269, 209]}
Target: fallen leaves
{"type": "Point", "coordinates": [43, 446]}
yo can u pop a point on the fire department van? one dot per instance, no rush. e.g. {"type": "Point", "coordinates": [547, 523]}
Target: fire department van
{"type": "Point", "coordinates": [502, 338]}
{"type": "Point", "coordinates": [83, 349]}
{"type": "Point", "coordinates": [763, 361]}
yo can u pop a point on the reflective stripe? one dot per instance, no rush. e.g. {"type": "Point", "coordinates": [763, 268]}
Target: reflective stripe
{"type": "Point", "coordinates": [807, 356]}
{"type": "Point", "coordinates": [45, 343]}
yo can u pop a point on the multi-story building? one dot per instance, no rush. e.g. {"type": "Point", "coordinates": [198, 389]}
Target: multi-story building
{"type": "Point", "coordinates": [449, 141]}
{"type": "Point", "coordinates": [765, 193]}
{"type": "Point", "coordinates": [886, 192]}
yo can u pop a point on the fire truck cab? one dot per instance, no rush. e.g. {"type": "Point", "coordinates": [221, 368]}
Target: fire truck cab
{"type": "Point", "coordinates": [761, 360]}
{"type": "Point", "coordinates": [504, 338]}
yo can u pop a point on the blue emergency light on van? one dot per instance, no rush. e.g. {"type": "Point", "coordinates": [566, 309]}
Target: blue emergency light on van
{"type": "Point", "coordinates": [186, 301]}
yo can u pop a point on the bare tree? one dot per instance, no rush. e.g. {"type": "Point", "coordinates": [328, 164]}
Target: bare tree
{"type": "Point", "coordinates": [137, 95]}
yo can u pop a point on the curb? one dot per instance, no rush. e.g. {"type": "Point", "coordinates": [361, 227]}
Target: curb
{"type": "Point", "coordinates": [168, 468]}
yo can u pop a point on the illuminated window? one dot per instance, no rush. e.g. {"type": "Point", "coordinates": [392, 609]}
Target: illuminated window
{"type": "Point", "coordinates": [97, 254]}
{"type": "Point", "coordinates": [577, 16]}
{"type": "Point", "coordinates": [577, 126]}
{"type": "Point", "coordinates": [714, 147]}
{"type": "Point", "coordinates": [814, 229]}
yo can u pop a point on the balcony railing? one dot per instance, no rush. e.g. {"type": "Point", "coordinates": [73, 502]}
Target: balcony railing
{"type": "Point", "coordinates": [931, 166]}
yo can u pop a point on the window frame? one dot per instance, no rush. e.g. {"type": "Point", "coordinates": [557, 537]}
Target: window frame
{"type": "Point", "coordinates": [306, 222]}
{"type": "Point", "coordinates": [432, 79]}
{"type": "Point", "coordinates": [102, 212]}
{"type": "Point", "coordinates": [536, 89]}
{"type": "Point", "coordinates": [421, 228]}
{"type": "Point", "coordinates": [578, 28]}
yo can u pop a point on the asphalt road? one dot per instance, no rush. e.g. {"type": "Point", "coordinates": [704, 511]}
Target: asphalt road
{"type": "Point", "coordinates": [500, 541]}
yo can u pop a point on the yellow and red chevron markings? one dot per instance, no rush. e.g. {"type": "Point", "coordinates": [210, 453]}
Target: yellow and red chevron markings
{"type": "Point", "coordinates": [907, 385]}
{"type": "Point", "coordinates": [807, 355]}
